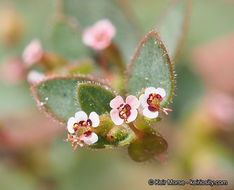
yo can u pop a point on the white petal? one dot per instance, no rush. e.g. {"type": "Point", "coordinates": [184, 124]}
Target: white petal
{"type": "Point", "coordinates": [133, 101]}
{"type": "Point", "coordinates": [133, 115]}
{"type": "Point", "coordinates": [34, 77]}
{"type": "Point", "coordinates": [149, 114]}
{"type": "Point", "coordinates": [149, 91]}
{"type": "Point", "coordinates": [94, 117]}
{"type": "Point", "coordinates": [90, 139]}
{"type": "Point", "coordinates": [70, 124]}
{"type": "Point", "coordinates": [116, 102]}
{"type": "Point", "coordinates": [161, 92]}
{"type": "Point", "coordinates": [114, 113]}
{"type": "Point", "coordinates": [143, 100]}
{"type": "Point", "coordinates": [81, 116]}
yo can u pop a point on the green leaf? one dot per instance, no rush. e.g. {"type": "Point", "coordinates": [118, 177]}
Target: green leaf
{"type": "Point", "coordinates": [94, 97]}
{"type": "Point", "coordinates": [151, 67]}
{"type": "Point", "coordinates": [148, 144]}
{"type": "Point", "coordinates": [87, 13]}
{"type": "Point", "coordinates": [57, 96]}
{"type": "Point", "coordinates": [173, 26]}
{"type": "Point", "coordinates": [66, 40]}
{"type": "Point", "coordinates": [82, 67]}
{"type": "Point", "coordinates": [147, 147]}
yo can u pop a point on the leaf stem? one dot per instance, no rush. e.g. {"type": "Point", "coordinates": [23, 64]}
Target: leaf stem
{"type": "Point", "coordinates": [139, 134]}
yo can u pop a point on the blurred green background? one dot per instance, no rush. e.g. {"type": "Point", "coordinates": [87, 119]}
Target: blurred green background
{"type": "Point", "coordinates": [199, 130]}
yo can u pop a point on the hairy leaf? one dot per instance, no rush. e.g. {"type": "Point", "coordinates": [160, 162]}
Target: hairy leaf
{"type": "Point", "coordinates": [57, 96]}
{"type": "Point", "coordinates": [151, 67]}
{"type": "Point", "coordinates": [147, 147]}
{"type": "Point", "coordinates": [94, 97]}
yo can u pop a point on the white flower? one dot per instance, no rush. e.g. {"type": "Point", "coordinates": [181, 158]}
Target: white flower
{"type": "Point", "coordinates": [81, 119]}
{"type": "Point", "coordinates": [124, 111]}
{"type": "Point", "coordinates": [34, 77]}
{"type": "Point", "coordinates": [151, 100]}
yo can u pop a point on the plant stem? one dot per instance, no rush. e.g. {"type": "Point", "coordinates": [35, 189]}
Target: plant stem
{"type": "Point", "coordinates": [139, 134]}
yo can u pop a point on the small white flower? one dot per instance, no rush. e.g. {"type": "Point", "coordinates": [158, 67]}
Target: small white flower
{"type": "Point", "coordinates": [34, 77]}
{"type": "Point", "coordinates": [81, 120]}
{"type": "Point", "coordinates": [151, 100]}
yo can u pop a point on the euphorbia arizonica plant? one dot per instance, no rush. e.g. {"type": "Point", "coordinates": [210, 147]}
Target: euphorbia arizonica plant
{"type": "Point", "coordinates": [96, 116]}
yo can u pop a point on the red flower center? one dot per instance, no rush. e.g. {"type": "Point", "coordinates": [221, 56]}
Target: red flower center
{"type": "Point", "coordinates": [154, 102]}
{"type": "Point", "coordinates": [86, 124]}
{"type": "Point", "coordinates": [124, 111]}
{"type": "Point", "coordinates": [75, 126]}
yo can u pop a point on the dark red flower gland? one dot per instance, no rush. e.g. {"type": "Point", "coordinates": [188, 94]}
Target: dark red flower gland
{"type": "Point", "coordinates": [87, 133]}
{"type": "Point", "coordinates": [75, 126]}
{"type": "Point", "coordinates": [154, 102]}
{"type": "Point", "coordinates": [87, 124]}
{"type": "Point", "coordinates": [110, 137]}
{"type": "Point", "coordinates": [125, 111]}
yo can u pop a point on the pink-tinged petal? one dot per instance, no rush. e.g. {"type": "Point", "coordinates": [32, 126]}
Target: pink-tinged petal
{"type": "Point", "coordinates": [143, 100]}
{"type": "Point", "coordinates": [88, 37]}
{"type": "Point", "coordinates": [94, 117]}
{"type": "Point", "coordinates": [81, 116]}
{"type": "Point", "coordinates": [91, 139]}
{"type": "Point", "coordinates": [133, 102]}
{"type": "Point", "coordinates": [70, 124]}
{"type": "Point", "coordinates": [161, 92]}
{"type": "Point", "coordinates": [149, 91]}
{"type": "Point", "coordinates": [133, 115]}
{"type": "Point", "coordinates": [116, 102]}
{"type": "Point", "coordinates": [107, 26]}
{"type": "Point", "coordinates": [32, 53]}
{"type": "Point", "coordinates": [114, 113]}
{"type": "Point", "coordinates": [149, 114]}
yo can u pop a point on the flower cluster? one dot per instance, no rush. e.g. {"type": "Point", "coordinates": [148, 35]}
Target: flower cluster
{"type": "Point", "coordinates": [81, 127]}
